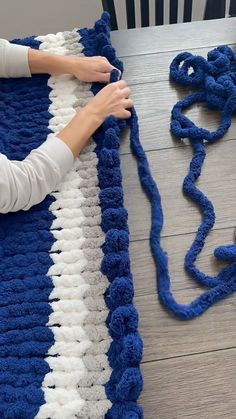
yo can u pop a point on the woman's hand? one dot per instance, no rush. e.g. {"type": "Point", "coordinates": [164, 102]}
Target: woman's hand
{"type": "Point", "coordinates": [91, 69]}
{"type": "Point", "coordinates": [86, 69]}
{"type": "Point", "coordinates": [113, 99]}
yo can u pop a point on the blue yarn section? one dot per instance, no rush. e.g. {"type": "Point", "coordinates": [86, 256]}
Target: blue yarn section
{"type": "Point", "coordinates": [216, 80]}
{"type": "Point", "coordinates": [25, 242]}
{"type": "Point", "coordinates": [125, 352]}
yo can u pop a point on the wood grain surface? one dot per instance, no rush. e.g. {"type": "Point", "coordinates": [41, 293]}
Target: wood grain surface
{"type": "Point", "coordinates": [189, 367]}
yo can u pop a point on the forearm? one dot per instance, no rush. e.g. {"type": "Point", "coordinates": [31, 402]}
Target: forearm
{"type": "Point", "coordinates": [80, 129]}
{"type": "Point", "coordinates": [44, 62]}
{"type": "Point", "coordinates": [13, 60]}
{"type": "Point", "coordinates": [26, 182]}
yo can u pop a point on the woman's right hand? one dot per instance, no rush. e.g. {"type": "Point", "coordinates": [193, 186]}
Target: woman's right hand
{"type": "Point", "coordinates": [113, 99]}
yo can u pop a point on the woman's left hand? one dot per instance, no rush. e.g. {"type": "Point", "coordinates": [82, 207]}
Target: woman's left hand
{"type": "Point", "coordinates": [87, 69]}
{"type": "Point", "coordinates": [91, 69]}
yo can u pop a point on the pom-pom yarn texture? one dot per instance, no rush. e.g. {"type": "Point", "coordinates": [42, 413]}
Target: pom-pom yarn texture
{"type": "Point", "coordinates": [69, 345]}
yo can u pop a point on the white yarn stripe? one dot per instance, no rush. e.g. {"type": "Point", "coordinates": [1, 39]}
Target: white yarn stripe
{"type": "Point", "coordinates": [80, 369]}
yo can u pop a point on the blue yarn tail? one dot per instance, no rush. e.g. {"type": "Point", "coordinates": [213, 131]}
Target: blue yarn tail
{"type": "Point", "coordinates": [215, 78]}
{"type": "Point", "coordinates": [222, 285]}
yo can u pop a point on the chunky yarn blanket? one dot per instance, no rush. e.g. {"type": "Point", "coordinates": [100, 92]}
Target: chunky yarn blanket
{"type": "Point", "coordinates": [69, 346]}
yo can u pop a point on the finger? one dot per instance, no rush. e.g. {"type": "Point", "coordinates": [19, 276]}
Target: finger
{"type": "Point", "coordinates": [128, 103]}
{"type": "Point", "coordinates": [103, 77]}
{"type": "Point", "coordinates": [104, 66]}
{"type": "Point", "coordinates": [126, 92]}
{"type": "Point", "coordinates": [110, 69]}
{"type": "Point", "coordinates": [121, 84]}
{"type": "Point", "coordinates": [107, 65]}
{"type": "Point", "coordinates": [126, 114]}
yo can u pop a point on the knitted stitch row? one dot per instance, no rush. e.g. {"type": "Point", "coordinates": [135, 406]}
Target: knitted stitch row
{"type": "Point", "coordinates": [125, 352]}
{"type": "Point", "coordinates": [69, 345]}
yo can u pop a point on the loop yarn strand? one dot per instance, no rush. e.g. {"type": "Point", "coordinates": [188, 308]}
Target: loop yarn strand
{"type": "Point", "coordinates": [216, 80]}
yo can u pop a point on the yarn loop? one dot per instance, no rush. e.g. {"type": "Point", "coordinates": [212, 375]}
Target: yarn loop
{"type": "Point", "coordinates": [216, 80]}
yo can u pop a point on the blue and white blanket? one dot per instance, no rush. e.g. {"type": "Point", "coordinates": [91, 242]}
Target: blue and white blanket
{"type": "Point", "coordinates": [69, 346]}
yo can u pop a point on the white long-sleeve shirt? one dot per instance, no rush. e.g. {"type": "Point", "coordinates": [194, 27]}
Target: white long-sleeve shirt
{"type": "Point", "coordinates": [27, 182]}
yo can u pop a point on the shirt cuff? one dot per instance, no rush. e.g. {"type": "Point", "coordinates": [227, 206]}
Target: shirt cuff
{"type": "Point", "coordinates": [17, 61]}
{"type": "Point", "coordinates": [59, 152]}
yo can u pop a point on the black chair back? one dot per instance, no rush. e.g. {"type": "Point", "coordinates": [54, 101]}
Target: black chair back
{"type": "Point", "coordinates": [214, 9]}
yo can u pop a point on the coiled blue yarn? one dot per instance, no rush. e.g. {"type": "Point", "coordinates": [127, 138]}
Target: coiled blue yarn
{"type": "Point", "coordinates": [125, 352]}
{"type": "Point", "coordinates": [216, 80]}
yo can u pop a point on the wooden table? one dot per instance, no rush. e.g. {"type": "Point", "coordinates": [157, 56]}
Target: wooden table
{"type": "Point", "coordinates": [189, 368]}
